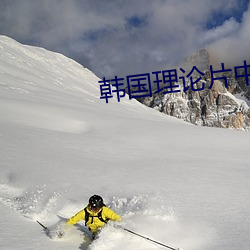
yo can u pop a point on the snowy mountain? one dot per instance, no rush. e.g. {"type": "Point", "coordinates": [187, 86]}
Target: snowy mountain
{"type": "Point", "coordinates": [220, 106]}
{"type": "Point", "coordinates": [182, 185]}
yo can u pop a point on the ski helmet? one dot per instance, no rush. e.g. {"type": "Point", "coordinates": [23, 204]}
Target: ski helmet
{"type": "Point", "coordinates": [95, 202]}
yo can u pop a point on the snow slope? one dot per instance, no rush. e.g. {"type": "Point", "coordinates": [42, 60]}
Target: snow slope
{"type": "Point", "coordinates": [176, 183]}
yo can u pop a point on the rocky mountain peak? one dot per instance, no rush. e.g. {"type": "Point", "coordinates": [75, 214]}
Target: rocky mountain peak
{"type": "Point", "coordinates": [203, 104]}
{"type": "Point", "coordinates": [199, 59]}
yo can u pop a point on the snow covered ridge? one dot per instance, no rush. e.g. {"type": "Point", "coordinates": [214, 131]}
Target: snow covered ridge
{"type": "Point", "coordinates": [34, 74]}
{"type": "Point", "coordinates": [36, 68]}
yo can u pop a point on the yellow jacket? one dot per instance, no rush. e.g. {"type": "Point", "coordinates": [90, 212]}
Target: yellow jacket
{"type": "Point", "coordinates": [94, 223]}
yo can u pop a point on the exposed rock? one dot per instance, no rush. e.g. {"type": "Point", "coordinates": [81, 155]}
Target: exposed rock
{"type": "Point", "coordinates": [215, 107]}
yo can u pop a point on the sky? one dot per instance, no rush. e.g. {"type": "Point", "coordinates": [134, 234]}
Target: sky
{"type": "Point", "coordinates": [124, 37]}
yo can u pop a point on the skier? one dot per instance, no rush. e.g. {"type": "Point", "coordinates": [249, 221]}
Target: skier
{"type": "Point", "coordinates": [95, 214]}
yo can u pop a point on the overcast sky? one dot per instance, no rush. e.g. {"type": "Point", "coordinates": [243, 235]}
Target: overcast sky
{"type": "Point", "coordinates": [122, 37]}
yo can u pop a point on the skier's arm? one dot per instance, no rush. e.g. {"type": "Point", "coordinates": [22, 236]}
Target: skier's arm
{"type": "Point", "coordinates": [77, 217]}
{"type": "Point", "coordinates": [110, 214]}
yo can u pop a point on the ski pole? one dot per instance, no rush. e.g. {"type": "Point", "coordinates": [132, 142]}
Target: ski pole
{"type": "Point", "coordinates": [45, 228]}
{"type": "Point", "coordinates": [146, 238]}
